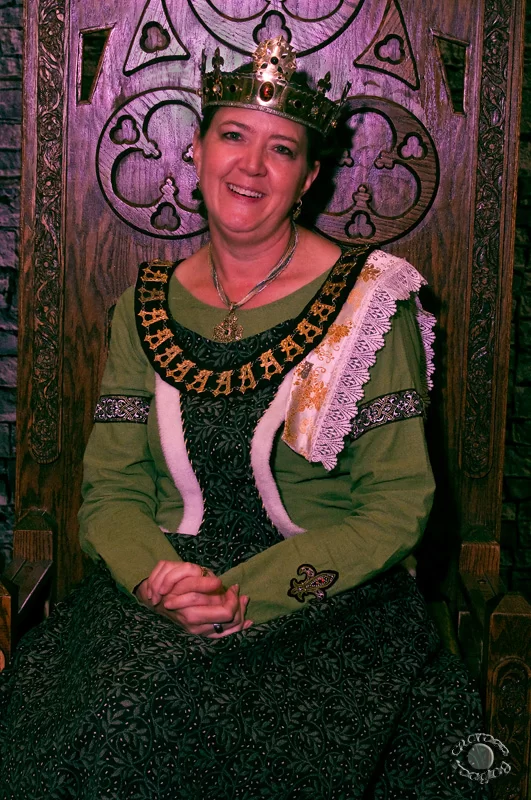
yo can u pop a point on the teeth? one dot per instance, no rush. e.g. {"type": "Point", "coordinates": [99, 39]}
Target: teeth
{"type": "Point", "coordinates": [245, 192]}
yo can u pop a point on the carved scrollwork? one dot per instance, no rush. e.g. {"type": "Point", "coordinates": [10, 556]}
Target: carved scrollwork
{"type": "Point", "coordinates": [271, 18]}
{"type": "Point", "coordinates": [391, 173]}
{"type": "Point", "coordinates": [45, 426]}
{"type": "Point", "coordinates": [476, 446]}
{"type": "Point", "coordinates": [136, 140]}
{"type": "Point", "coordinates": [512, 702]}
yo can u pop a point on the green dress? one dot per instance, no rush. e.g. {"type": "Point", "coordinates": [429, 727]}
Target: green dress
{"type": "Point", "coordinates": [339, 690]}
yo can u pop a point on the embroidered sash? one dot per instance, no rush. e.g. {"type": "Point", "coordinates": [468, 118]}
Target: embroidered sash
{"type": "Point", "coordinates": [328, 384]}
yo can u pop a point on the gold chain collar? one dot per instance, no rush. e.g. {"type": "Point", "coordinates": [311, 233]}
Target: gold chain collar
{"type": "Point", "coordinates": [169, 357]}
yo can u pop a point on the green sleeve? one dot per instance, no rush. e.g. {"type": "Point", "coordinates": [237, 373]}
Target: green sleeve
{"type": "Point", "coordinates": [117, 517]}
{"type": "Point", "coordinates": [391, 489]}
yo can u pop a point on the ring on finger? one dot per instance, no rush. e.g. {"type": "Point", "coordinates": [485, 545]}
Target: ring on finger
{"type": "Point", "coordinates": [218, 627]}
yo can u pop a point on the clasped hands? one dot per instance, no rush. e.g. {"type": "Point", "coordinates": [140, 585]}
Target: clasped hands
{"type": "Point", "coordinates": [194, 598]}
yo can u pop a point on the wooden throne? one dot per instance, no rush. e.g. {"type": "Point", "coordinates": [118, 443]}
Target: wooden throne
{"type": "Point", "coordinates": [430, 174]}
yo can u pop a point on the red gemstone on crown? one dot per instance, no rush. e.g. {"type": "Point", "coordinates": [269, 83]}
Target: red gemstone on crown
{"type": "Point", "coordinates": [267, 90]}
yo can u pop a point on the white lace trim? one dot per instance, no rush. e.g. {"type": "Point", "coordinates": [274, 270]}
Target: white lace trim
{"type": "Point", "coordinates": [426, 323]}
{"type": "Point", "coordinates": [398, 283]}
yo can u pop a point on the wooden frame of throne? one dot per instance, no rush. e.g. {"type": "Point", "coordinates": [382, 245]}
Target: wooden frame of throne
{"type": "Point", "coordinates": [61, 355]}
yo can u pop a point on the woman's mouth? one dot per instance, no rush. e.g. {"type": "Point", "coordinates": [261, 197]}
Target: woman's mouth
{"type": "Point", "coordinates": [243, 192]}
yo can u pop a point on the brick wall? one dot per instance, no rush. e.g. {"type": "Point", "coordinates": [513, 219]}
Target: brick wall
{"type": "Point", "coordinates": [516, 532]}
{"type": "Point", "coordinates": [516, 537]}
{"type": "Point", "coordinates": [10, 134]}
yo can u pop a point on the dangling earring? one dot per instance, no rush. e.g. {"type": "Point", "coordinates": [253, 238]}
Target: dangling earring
{"type": "Point", "coordinates": [197, 195]}
{"type": "Point", "coordinates": [297, 208]}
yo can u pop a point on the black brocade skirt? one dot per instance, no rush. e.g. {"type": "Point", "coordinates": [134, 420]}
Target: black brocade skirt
{"type": "Point", "coordinates": [351, 698]}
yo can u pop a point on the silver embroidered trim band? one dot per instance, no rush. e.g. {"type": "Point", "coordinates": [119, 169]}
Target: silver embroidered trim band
{"type": "Point", "coordinates": [122, 408]}
{"type": "Point", "coordinates": [388, 408]}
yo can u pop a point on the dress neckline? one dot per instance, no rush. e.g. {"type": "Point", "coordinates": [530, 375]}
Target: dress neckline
{"type": "Point", "coordinates": [285, 300]}
{"type": "Point", "coordinates": [193, 363]}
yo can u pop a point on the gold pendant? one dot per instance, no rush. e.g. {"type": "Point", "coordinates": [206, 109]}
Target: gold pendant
{"type": "Point", "coordinates": [229, 330]}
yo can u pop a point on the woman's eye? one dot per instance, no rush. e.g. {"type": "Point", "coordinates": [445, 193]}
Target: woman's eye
{"type": "Point", "coordinates": [284, 151]}
{"type": "Point", "coordinates": [232, 136]}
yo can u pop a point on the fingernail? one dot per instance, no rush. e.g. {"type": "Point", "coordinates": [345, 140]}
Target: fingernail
{"type": "Point", "coordinates": [236, 587]}
{"type": "Point", "coordinates": [149, 595]}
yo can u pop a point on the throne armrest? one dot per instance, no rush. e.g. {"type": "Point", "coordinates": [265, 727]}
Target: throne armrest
{"type": "Point", "coordinates": [25, 583]}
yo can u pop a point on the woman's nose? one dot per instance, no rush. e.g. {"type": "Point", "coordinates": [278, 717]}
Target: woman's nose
{"type": "Point", "coordinates": [254, 160]}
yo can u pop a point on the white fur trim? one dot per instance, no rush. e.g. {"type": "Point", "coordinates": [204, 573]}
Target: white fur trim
{"type": "Point", "coordinates": [168, 400]}
{"type": "Point", "coordinates": [261, 448]}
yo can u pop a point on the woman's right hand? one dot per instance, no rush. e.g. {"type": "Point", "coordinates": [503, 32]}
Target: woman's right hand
{"type": "Point", "coordinates": [194, 600]}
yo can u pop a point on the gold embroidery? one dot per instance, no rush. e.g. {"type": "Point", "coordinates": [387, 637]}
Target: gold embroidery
{"type": "Point", "coordinates": [305, 426]}
{"type": "Point", "coordinates": [330, 344]}
{"type": "Point", "coordinates": [290, 347]}
{"type": "Point", "coordinates": [354, 299]}
{"type": "Point", "coordinates": [309, 331]}
{"type": "Point", "coordinates": [151, 295]}
{"type": "Point", "coordinates": [269, 364]}
{"type": "Point", "coordinates": [151, 317]}
{"type": "Point", "coordinates": [344, 267]}
{"type": "Point", "coordinates": [292, 430]}
{"type": "Point", "coordinates": [223, 386]}
{"type": "Point", "coordinates": [369, 273]}
{"type": "Point", "coordinates": [182, 369]}
{"type": "Point", "coordinates": [158, 276]}
{"type": "Point", "coordinates": [314, 583]}
{"type": "Point", "coordinates": [312, 392]}
{"type": "Point", "coordinates": [158, 338]}
{"type": "Point", "coordinates": [321, 310]}
{"type": "Point", "coordinates": [247, 379]}
{"type": "Point", "coordinates": [199, 382]}
{"type": "Point", "coordinates": [334, 289]}
{"type": "Point", "coordinates": [275, 361]}
{"type": "Point", "coordinates": [168, 355]}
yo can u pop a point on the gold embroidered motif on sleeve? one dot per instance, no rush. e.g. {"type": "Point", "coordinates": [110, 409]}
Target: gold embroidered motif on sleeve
{"type": "Point", "coordinates": [314, 584]}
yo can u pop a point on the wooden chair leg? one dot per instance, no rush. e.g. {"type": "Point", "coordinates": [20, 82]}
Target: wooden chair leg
{"type": "Point", "coordinates": [508, 692]}
{"type": "Point", "coordinates": [7, 604]}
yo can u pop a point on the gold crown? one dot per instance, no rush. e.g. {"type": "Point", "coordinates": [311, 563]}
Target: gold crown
{"type": "Point", "coordinates": [267, 87]}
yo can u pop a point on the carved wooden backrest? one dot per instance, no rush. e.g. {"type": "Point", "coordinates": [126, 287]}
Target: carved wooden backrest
{"type": "Point", "coordinates": [110, 107]}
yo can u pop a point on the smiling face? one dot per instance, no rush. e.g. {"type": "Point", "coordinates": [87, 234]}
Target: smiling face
{"type": "Point", "coordinates": [252, 167]}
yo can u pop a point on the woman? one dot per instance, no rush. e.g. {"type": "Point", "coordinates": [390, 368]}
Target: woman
{"type": "Point", "coordinates": [271, 645]}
